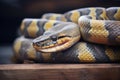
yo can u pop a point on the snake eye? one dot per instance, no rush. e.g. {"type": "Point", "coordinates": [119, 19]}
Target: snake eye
{"type": "Point", "coordinates": [54, 38]}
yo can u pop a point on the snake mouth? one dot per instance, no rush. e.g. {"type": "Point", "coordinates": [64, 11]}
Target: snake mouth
{"type": "Point", "coordinates": [54, 44]}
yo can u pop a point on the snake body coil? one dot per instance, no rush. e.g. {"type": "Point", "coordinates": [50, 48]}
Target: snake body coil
{"type": "Point", "coordinates": [58, 41]}
{"type": "Point", "coordinates": [80, 52]}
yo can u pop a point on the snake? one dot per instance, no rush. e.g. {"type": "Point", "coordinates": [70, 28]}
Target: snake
{"type": "Point", "coordinates": [83, 35]}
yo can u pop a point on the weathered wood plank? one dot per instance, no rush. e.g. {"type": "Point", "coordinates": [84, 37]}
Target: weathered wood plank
{"type": "Point", "coordinates": [60, 72]}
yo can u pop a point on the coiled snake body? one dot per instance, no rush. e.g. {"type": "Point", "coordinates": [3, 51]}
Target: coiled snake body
{"type": "Point", "coordinates": [60, 40]}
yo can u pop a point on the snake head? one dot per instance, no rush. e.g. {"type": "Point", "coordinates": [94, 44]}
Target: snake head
{"type": "Point", "coordinates": [58, 38]}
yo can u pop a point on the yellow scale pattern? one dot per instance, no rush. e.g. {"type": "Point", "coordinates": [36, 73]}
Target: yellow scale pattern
{"type": "Point", "coordinates": [22, 27]}
{"type": "Point", "coordinates": [63, 19]}
{"type": "Point", "coordinates": [110, 53]}
{"type": "Point", "coordinates": [54, 17]}
{"type": "Point", "coordinates": [31, 52]}
{"type": "Point", "coordinates": [92, 13]}
{"type": "Point", "coordinates": [17, 46]}
{"type": "Point", "coordinates": [103, 15]}
{"type": "Point", "coordinates": [33, 29]}
{"type": "Point", "coordinates": [117, 15]}
{"type": "Point", "coordinates": [75, 16]}
{"type": "Point", "coordinates": [118, 38]}
{"type": "Point", "coordinates": [113, 56]}
{"type": "Point", "coordinates": [85, 55]}
{"type": "Point", "coordinates": [46, 56]}
{"type": "Point", "coordinates": [98, 32]}
{"type": "Point", "coordinates": [49, 24]}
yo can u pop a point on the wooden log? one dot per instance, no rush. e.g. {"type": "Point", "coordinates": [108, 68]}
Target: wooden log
{"type": "Point", "coordinates": [60, 72]}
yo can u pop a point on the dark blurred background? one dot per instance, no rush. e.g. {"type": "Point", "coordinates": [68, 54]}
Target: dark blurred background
{"type": "Point", "coordinates": [12, 12]}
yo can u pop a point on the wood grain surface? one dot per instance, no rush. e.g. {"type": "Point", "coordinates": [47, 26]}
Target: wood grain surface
{"type": "Point", "coordinates": [60, 72]}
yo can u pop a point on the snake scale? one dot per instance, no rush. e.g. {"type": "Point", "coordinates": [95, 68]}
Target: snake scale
{"type": "Point", "coordinates": [83, 35]}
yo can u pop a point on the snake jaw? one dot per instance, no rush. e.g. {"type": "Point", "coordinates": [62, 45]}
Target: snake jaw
{"type": "Point", "coordinates": [53, 45]}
